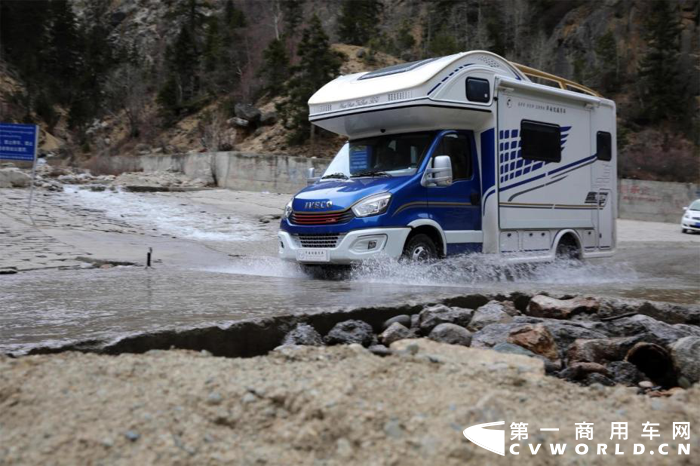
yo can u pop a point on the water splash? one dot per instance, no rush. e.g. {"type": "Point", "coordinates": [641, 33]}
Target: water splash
{"type": "Point", "coordinates": [167, 215]}
{"type": "Point", "coordinates": [482, 269]}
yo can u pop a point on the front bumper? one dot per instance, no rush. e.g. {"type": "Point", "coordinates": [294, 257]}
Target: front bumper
{"type": "Point", "coordinates": [353, 246]}
{"type": "Point", "coordinates": [690, 224]}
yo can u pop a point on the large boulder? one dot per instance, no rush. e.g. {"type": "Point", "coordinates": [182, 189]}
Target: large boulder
{"type": "Point", "coordinates": [493, 312]}
{"type": "Point", "coordinates": [350, 331]}
{"type": "Point", "coordinates": [432, 316]}
{"type": "Point", "coordinates": [658, 332]}
{"type": "Point", "coordinates": [403, 319]}
{"type": "Point", "coordinates": [566, 332]}
{"type": "Point", "coordinates": [452, 334]}
{"type": "Point", "coordinates": [395, 332]}
{"type": "Point", "coordinates": [493, 334]}
{"type": "Point", "coordinates": [551, 308]}
{"type": "Point", "coordinates": [626, 373]}
{"type": "Point", "coordinates": [247, 112]}
{"type": "Point", "coordinates": [600, 350]}
{"type": "Point", "coordinates": [686, 360]}
{"type": "Point", "coordinates": [268, 118]}
{"type": "Point", "coordinates": [536, 338]}
{"type": "Point", "coordinates": [303, 334]}
{"type": "Point", "coordinates": [12, 177]}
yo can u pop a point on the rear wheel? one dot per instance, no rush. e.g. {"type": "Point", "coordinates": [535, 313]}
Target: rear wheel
{"type": "Point", "coordinates": [568, 249]}
{"type": "Point", "coordinates": [420, 248]}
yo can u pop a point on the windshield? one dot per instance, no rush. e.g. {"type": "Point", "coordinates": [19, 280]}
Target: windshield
{"type": "Point", "coordinates": [695, 205]}
{"type": "Point", "coordinates": [394, 155]}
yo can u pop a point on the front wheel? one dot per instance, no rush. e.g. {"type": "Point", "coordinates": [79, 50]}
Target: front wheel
{"type": "Point", "coordinates": [420, 248]}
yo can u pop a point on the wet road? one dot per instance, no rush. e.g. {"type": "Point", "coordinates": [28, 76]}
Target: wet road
{"type": "Point", "coordinates": [231, 276]}
{"type": "Point", "coordinates": [50, 308]}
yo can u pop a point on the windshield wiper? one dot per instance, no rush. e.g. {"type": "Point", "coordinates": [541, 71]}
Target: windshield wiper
{"type": "Point", "coordinates": [338, 175]}
{"type": "Point", "coordinates": [370, 173]}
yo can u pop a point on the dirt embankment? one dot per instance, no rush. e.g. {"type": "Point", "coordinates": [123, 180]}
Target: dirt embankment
{"type": "Point", "coordinates": [309, 405]}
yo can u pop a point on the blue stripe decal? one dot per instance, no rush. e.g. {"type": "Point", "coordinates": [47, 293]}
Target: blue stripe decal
{"type": "Point", "coordinates": [431, 90]}
{"type": "Point", "coordinates": [523, 182]}
{"type": "Point", "coordinates": [573, 164]}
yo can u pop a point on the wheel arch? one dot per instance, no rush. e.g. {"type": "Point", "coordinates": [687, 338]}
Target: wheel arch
{"type": "Point", "coordinates": [432, 229]}
{"type": "Point", "coordinates": [567, 235]}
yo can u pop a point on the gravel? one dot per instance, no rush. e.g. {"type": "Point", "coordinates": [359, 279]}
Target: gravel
{"type": "Point", "coordinates": [303, 405]}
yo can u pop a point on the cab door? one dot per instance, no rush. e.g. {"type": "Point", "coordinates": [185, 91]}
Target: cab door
{"type": "Point", "coordinates": [457, 207]}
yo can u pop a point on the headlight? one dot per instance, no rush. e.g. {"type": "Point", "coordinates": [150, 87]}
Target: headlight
{"type": "Point", "coordinates": [288, 209]}
{"type": "Point", "coordinates": [372, 205]}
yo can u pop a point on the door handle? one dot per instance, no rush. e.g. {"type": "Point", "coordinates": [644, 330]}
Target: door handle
{"type": "Point", "coordinates": [475, 198]}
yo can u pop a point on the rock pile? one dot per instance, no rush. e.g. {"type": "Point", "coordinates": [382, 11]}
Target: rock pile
{"type": "Point", "coordinates": [580, 339]}
{"type": "Point", "coordinates": [53, 178]}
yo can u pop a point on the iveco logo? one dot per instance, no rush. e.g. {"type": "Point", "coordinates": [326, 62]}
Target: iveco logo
{"type": "Point", "coordinates": [318, 205]}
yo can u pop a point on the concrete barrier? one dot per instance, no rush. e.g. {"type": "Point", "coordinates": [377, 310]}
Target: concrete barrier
{"type": "Point", "coordinates": [238, 170]}
{"type": "Point", "coordinates": [654, 201]}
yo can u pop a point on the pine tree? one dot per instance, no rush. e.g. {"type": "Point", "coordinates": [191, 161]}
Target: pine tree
{"type": "Point", "coordinates": [358, 21]}
{"type": "Point", "coordinates": [275, 69]}
{"type": "Point", "coordinates": [293, 12]}
{"type": "Point", "coordinates": [318, 64]}
{"type": "Point", "coordinates": [661, 94]}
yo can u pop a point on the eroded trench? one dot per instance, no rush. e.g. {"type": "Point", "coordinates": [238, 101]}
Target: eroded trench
{"type": "Point", "coordinates": [636, 336]}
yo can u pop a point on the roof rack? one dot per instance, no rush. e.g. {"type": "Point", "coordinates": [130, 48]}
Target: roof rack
{"type": "Point", "coordinates": [561, 82]}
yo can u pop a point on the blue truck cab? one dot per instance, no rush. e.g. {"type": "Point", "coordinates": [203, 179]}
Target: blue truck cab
{"type": "Point", "coordinates": [378, 191]}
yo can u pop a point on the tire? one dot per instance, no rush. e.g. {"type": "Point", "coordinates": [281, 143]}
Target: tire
{"type": "Point", "coordinates": [683, 230]}
{"type": "Point", "coordinates": [420, 248]}
{"type": "Point", "coordinates": [568, 249]}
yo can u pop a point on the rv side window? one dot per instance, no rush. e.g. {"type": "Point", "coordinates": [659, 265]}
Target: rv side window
{"type": "Point", "coordinates": [604, 146]}
{"type": "Point", "coordinates": [457, 147]}
{"type": "Point", "coordinates": [540, 141]}
{"type": "Point", "coordinates": [478, 90]}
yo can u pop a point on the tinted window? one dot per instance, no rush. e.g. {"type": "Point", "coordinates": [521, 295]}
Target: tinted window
{"type": "Point", "coordinates": [458, 148]}
{"type": "Point", "coordinates": [392, 154]}
{"type": "Point", "coordinates": [540, 141]}
{"type": "Point", "coordinates": [478, 90]}
{"type": "Point", "coordinates": [604, 146]}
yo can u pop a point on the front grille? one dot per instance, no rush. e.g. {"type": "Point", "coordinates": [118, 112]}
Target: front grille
{"type": "Point", "coordinates": [322, 218]}
{"type": "Point", "coordinates": [319, 241]}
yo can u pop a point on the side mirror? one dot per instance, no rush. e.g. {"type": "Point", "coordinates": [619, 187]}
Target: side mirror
{"type": "Point", "coordinates": [310, 178]}
{"type": "Point", "coordinates": [685, 208]}
{"type": "Point", "coordinates": [441, 173]}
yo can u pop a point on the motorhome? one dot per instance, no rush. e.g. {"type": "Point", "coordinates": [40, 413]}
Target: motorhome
{"type": "Point", "coordinates": [459, 154]}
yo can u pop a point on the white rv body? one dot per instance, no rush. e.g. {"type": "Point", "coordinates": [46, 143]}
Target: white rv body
{"type": "Point", "coordinates": [528, 206]}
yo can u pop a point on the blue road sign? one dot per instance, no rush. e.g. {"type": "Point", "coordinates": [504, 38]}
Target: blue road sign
{"type": "Point", "coordinates": [18, 142]}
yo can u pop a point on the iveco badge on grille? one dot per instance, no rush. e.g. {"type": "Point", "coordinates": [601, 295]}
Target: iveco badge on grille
{"type": "Point", "coordinates": [318, 205]}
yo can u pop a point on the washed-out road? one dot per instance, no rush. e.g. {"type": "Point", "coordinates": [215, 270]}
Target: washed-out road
{"type": "Point", "coordinates": [214, 261]}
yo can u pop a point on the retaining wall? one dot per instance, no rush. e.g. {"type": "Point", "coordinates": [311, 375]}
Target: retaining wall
{"type": "Point", "coordinates": [654, 201]}
{"type": "Point", "coordinates": [238, 170]}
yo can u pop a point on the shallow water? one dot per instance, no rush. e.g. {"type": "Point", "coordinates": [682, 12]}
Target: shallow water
{"type": "Point", "coordinates": [54, 307]}
{"type": "Point", "coordinates": [166, 214]}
